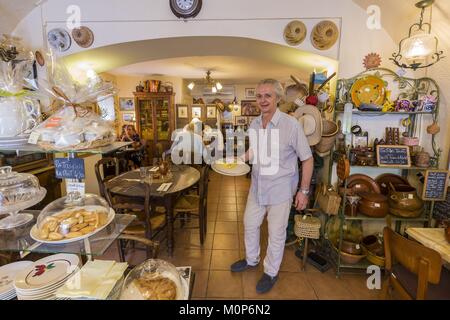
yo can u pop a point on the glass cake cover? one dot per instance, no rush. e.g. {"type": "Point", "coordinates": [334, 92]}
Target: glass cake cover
{"type": "Point", "coordinates": [68, 212]}
{"type": "Point", "coordinates": [18, 191]}
{"type": "Point", "coordinates": [153, 279]}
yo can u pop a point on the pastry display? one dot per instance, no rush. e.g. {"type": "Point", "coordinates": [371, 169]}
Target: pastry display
{"type": "Point", "coordinates": [156, 287]}
{"type": "Point", "coordinates": [72, 223]}
{"type": "Point", "coordinates": [154, 279]}
{"type": "Point", "coordinates": [72, 218]}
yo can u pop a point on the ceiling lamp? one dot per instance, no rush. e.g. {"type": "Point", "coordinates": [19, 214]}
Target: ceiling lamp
{"type": "Point", "coordinates": [209, 81]}
{"type": "Point", "coordinates": [235, 104]}
{"type": "Point", "coordinates": [419, 45]}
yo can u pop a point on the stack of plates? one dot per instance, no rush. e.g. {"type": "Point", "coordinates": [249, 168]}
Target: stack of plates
{"type": "Point", "coordinates": [14, 141]}
{"type": "Point", "coordinates": [231, 167]}
{"type": "Point", "coordinates": [7, 274]}
{"type": "Point", "coordinates": [40, 280]}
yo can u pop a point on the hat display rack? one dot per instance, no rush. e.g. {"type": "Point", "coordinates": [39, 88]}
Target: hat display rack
{"type": "Point", "coordinates": [403, 89]}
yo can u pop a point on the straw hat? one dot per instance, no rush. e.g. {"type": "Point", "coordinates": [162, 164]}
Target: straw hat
{"type": "Point", "coordinates": [83, 36]}
{"type": "Point", "coordinates": [295, 32]}
{"type": "Point", "coordinates": [324, 35]}
{"type": "Point", "coordinates": [310, 119]}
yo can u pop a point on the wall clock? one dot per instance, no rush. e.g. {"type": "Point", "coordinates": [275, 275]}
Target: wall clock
{"type": "Point", "coordinates": [185, 8]}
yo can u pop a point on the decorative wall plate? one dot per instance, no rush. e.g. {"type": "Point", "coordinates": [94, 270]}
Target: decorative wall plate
{"type": "Point", "coordinates": [324, 35]}
{"type": "Point", "coordinates": [294, 33]}
{"type": "Point", "coordinates": [368, 90]}
{"type": "Point", "coordinates": [83, 36]}
{"type": "Point", "coordinates": [59, 39]}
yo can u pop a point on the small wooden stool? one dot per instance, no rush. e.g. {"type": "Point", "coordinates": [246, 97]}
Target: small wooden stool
{"type": "Point", "coordinates": [307, 227]}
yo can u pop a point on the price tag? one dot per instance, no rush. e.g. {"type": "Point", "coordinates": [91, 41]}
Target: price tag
{"type": "Point", "coordinates": [72, 186]}
{"type": "Point", "coordinates": [377, 205]}
{"type": "Point", "coordinates": [34, 138]}
{"type": "Point", "coordinates": [410, 196]}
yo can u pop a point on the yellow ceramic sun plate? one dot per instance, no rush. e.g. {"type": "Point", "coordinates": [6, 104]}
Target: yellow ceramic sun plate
{"type": "Point", "coordinates": [227, 165]}
{"type": "Point", "coordinates": [368, 90]}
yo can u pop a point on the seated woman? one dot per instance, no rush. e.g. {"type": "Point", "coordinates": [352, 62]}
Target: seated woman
{"type": "Point", "coordinates": [187, 146]}
{"type": "Point", "coordinates": [129, 134]}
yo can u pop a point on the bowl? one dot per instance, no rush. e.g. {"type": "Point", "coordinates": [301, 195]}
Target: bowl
{"type": "Point", "coordinates": [374, 258]}
{"type": "Point", "coordinates": [373, 205]}
{"type": "Point", "coordinates": [351, 258]}
{"type": "Point", "coordinates": [351, 247]}
{"type": "Point", "coordinates": [406, 213]}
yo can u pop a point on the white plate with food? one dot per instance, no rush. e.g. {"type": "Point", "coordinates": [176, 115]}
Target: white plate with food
{"type": "Point", "coordinates": [72, 224]}
{"type": "Point", "coordinates": [231, 167]}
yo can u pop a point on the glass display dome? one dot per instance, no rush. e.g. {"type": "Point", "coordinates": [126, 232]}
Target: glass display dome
{"type": "Point", "coordinates": [71, 217]}
{"type": "Point", "coordinates": [153, 279]}
{"type": "Point", "coordinates": [18, 191]}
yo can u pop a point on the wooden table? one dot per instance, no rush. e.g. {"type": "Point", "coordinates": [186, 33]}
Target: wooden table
{"type": "Point", "coordinates": [129, 185]}
{"type": "Point", "coordinates": [433, 238]}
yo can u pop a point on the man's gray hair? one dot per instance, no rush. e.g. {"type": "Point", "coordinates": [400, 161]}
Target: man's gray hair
{"type": "Point", "coordinates": [279, 91]}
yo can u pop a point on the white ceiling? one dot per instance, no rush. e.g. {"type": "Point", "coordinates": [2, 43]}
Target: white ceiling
{"type": "Point", "coordinates": [224, 68]}
{"type": "Point", "coordinates": [12, 12]}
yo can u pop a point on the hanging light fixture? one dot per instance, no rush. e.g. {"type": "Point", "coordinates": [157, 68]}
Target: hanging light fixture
{"type": "Point", "coordinates": [235, 104]}
{"type": "Point", "coordinates": [420, 44]}
{"type": "Point", "coordinates": [215, 85]}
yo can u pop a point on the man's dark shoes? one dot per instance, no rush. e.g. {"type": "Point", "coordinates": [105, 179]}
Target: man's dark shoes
{"type": "Point", "coordinates": [265, 283]}
{"type": "Point", "coordinates": [241, 265]}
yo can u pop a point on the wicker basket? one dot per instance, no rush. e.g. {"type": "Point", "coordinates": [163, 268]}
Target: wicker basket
{"type": "Point", "coordinates": [307, 226]}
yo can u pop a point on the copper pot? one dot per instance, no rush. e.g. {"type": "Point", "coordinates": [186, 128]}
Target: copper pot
{"type": "Point", "coordinates": [404, 197]}
{"type": "Point", "coordinates": [351, 247]}
{"type": "Point", "coordinates": [373, 205]}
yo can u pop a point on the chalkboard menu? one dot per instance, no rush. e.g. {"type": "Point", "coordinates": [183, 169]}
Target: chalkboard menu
{"type": "Point", "coordinates": [72, 168]}
{"type": "Point", "coordinates": [435, 186]}
{"type": "Point", "coordinates": [393, 156]}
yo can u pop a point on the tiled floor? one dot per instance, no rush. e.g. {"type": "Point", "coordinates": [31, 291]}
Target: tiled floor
{"type": "Point", "coordinates": [224, 245]}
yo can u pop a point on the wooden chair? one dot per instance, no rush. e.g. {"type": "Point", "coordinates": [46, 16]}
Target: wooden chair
{"type": "Point", "coordinates": [145, 229]}
{"type": "Point", "coordinates": [100, 170]}
{"type": "Point", "coordinates": [195, 205]}
{"type": "Point", "coordinates": [413, 270]}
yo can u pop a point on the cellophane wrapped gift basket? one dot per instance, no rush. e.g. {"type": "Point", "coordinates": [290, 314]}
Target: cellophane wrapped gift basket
{"type": "Point", "coordinates": [74, 125]}
{"type": "Point", "coordinates": [19, 106]}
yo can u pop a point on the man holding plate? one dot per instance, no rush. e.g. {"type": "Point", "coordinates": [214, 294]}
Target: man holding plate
{"type": "Point", "coordinates": [276, 141]}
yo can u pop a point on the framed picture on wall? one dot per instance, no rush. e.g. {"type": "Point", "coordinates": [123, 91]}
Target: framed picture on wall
{"type": "Point", "coordinates": [182, 112]}
{"type": "Point", "coordinates": [126, 104]}
{"type": "Point", "coordinates": [250, 108]}
{"type": "Point", "coordinates": [211, 112]}
{"type": "Point", "coordinates": [250, 93]}
{"type": "Point", "coordinates": [240, 121]}
{"type": "Point", "coordinates": [128, 117]}
{"type": "Point", "coordinates": [196, 112]}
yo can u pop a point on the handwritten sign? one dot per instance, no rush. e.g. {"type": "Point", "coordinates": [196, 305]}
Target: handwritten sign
{"type": "Point", "coordinates": [393, 156]}
{"type": "Point", "coordinates": [435, 186]}
{"type": "Point", "coordinates": [69, 168]}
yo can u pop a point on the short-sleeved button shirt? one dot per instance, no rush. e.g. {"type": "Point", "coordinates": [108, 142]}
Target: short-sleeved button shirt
{"type": "Point", "coordinates": [275, 151]}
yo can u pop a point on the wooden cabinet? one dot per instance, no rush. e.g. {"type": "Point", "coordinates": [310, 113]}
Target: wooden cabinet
{"type": "Point", "coordinates": [155, 119]}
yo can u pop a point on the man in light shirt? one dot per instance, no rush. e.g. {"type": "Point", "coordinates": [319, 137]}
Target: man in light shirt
{"type": "Point", "coordinates": [276, 142]}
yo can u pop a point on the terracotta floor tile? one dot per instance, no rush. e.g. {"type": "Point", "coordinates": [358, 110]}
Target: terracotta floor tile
{"type": "Point", "coordinates": [198, 259]}
{"type": "Point", "coordinates": [290, 262]}
{"type": "Point", "coordinates": [227, 216]}
{"type": "Point", "coordinates": [227, 227]}
{"type": "Point", "coordinates": [227, 200]}
{"type": "Point", "coordinates": [242, 187]}
{"type": "Point", "coordinates": [328, 287]}
{"type": "Point", "coordinates": [293, 286]}
{"type": "Point", "coordinates": [357, 285]}
{"type": "Point", "coordinates": [241, 200]}
{"type": "Point", "coordinates": [226, 242]}
{"type": "Point", "coordinates": [227, 207]}
{"type": "Point", "coordinates": [224, 284]}
{"type": "Point", "coordinates": [211, 215]}
{"type": "Point", "coordinates": [241, 194]}
{"type": "Point", "coordinates": [201, 284]}
{"type": "Point", "coordinates": [194, 241]}
{"type": "Point", "coordinates": [240, 207]}
{"type": "Point", "coordinates": [223, 259]}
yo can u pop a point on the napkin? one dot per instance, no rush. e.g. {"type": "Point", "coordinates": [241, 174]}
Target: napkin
{"type": "Point", "coordinates": [94, 280]}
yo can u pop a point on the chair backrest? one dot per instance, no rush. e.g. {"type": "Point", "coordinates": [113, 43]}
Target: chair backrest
{"type": "Point", "coordinates": [203, 187]}
{"type": "Point", "coordinates": [418, 259]}
{"type": "Point", "coordinates": [100, 173]}
{"type": "Point", "coordinates": [128, 204]}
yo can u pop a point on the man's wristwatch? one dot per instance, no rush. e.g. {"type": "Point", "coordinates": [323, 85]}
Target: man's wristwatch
{"type": "Point", "coordinates": [305, 192]}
